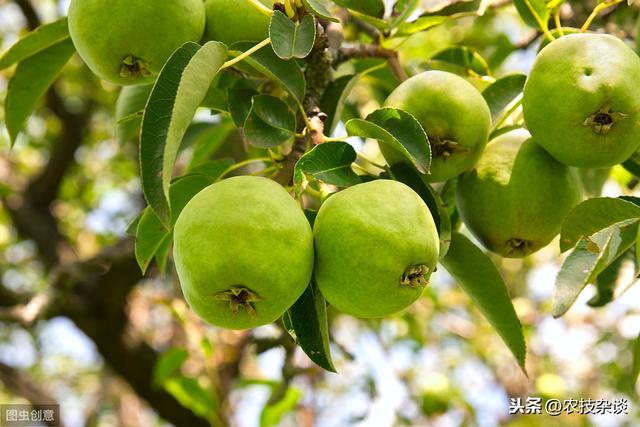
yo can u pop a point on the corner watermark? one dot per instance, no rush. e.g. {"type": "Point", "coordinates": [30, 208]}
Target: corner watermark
{"type": "Point", "coordinates": [29, 415]}
{"type": "Point", "coordinates": [555, 407]}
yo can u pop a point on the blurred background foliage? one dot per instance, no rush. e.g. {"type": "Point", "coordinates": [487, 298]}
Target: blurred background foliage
{"type": "Point", "coordinates": [438, 364]}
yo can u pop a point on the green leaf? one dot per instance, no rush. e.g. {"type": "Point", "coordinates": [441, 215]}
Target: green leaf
{"type": "Point", "coordinates": [465, 58]}
{"type": "Point", "coordinates": [129, 111]}
{"type": "Point", "coordinates": [335, 96]}
{"type": "Point", "coordinates": [309, 320]}
{"type": "Point", "coordinates": [607, 280]}
{"type": "Point", "coordinates": [288, 325]}
{"type": "Point", "coordinates": [240, 104]}
{"type": "Point", "coordinates": [168, 365]}
{"type": "Point", "coordinates": [453, 8]}
{"type": "Point", "coordinates": [42, 38]}
{"type": "Point", "coordinates": [270, 122]}
{"type": "Point", "coordinates": [32, 78]}
{"type": "Point", "coordinates": [539, 6]}
{"type": "Point", "coordinates": [373, 8]}
{"type": "Point", "coordinates": [402, 10]}
{"type": "Point", "coordinates": [503, 92]}
{"type": "Point", "coordinates": [480, 279]}
{"type": "Point", "coordinates": [319, 8]}
{"type": "Point", "coordinates": [184, 188]}
{"type": "Point", "coordinates": [208, 140]}
{"type": "Point", "coordinates": [409, 176]}
{"type": "Point", "coordinates": [330, 163]}
{"type": "Point", "coordinates": [397, 129]}
{"type": "Point", "coordinates": [334, 99]}
{"type": "Point", "coordinates": [421, 24]}
{"type": "Point", "coordinates": [286, 73]}
{"type": "Point", "coordinates": [162, 254]}
{"type": "Point", "coordinates": [273, 412]}
{"type": "Point", "coordinates": [290, 39]}
{"type": "Point", "coordinates": [594, 215]}
{"type": "Point", "coordinates": [212, 169]}
{"type": "Point", "coordinates": [179, 90]}
{"type": "Point", "coordinates": [192, 395]}
{"type": "Point", "coordinates": [592, 256]}
{"type": "Point", "coordinates": [635, 366]}
{"type": "Point", "coordinates": [379, 24]}
{"type": "Point", "coordinates": [150, 236]}
{"type": "Point", "coordinates": [632, 164]}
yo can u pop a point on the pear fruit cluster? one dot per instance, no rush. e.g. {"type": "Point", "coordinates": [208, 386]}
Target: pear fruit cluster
{"type": "Point", "coordinates": [581, 109]}
{"type": "Point", "coordinates": [244, 250]}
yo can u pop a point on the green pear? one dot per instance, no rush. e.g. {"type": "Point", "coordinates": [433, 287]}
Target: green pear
{"type": "Point", "coordinates": [454, 115]}
{"type": "Point", "coordinates": [517, 197]}
{"type": "Point", "coordinates": [376, 247]}
{"type": "Point", "coordinates": [580, 100]}
{"type": "Point", "coordinates": [231, 21]}
{"type": "Point", "coordinates": [128, 41]}
{"type": "Point", "coordinates": [243, 249]}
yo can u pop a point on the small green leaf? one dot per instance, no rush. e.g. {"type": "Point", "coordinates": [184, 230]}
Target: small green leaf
{"type": "Point", "coordinates": [334, 99]}
{"type": "Point", "coordinates": [270, 122]}
{"type": "Point", "coordinates": [129, 111]}
{"type": "Point", "coordinates": [607, 280]}
{"type": "Point", "coordinates": [409, 176]}
{"type": "Point", "coordinates": [592, 256]}
{"type": "Point", "coordinates": [421, 24]}
{"type": "Point", "coordinates": [240, 104]}
{"type": "Point", "coordinates": [35, 42]}
{"type": "Point", "coordinates": [168, 365]}
{"type": "Point", "coordinates": [150, 235]}
{"type": "Point", "coordinates": [503, 92]}
{"type": "Point", "coordinates": [453, 8]}
{"type": "Point", "coordinates": [290, 39]}
{"type": "Point", "coordinates": [524, 10]}
{"type": "Point", "coordinates": [273, 413]}
{"type": "Point", "coordinates": [335, 96]}
{"type": "Point", "coordinates": [183, 189]}
{"type": "Point", "coordinates": [373, 8]}
{"type": "Point", "coordinates": [480, 279]}
{"type": "Point", "coordinates": [319, 8]}
{"type": "Point", "coordinates": [288, 325]}
{"type": "Point", "coordinates": [175, 97]}
{"type": "Point", "coordinates": [192, 395]}
{"type": "Point", "coordinates": [594, 215]}
{"type": "Point", "coordinates": [399, 130]}
{"type": "Point", "coordinates": [402, 10]}
{"type": "Point", "coordinates": [208, 140]}
{"type": "Point", "coordinates": [632, 164]}
{"type": "Point", "coordinates": [309, 320]}
{"type": "Point", "coordinates": [377, 23]}
{"type": "Point", "coordinates": [212, 169]}
{"type": "Point", "coordinates": [162, 254]}
{"type": "Point", "coordinates": [465, 58]}
{"type": "Point", "coordinates": [330, 163]}
{"type": "Point", "coordinates": [286, 73]}
{"type": "Point", "coordinates": [32, 78]}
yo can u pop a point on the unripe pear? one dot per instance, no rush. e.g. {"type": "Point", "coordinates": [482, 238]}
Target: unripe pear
{"type": "Point", "coordinates": [517, 197]}
{"type": "Point", "coordinates": [376, 247]}
{"type": "Point", "coordinates": [243, 250]}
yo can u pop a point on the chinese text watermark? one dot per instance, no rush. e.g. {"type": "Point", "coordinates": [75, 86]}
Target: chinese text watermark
{"type": "Point", "coordinates": [555, 407]}
{"type": "Point", "coordinates": [29, 415]}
